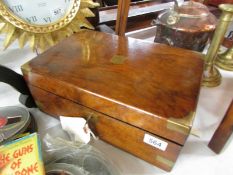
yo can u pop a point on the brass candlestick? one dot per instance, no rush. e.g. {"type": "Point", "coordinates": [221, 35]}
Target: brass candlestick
{"type": "Point", "coordinates": [212, 77]}
{"type": "Point", "coordinates": [225, 60]}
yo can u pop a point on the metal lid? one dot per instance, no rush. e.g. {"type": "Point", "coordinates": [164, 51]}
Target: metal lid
{"type": "Point", "coordinates": [190, 17]}
{"type": "Point", "coordinates": [193, 10]}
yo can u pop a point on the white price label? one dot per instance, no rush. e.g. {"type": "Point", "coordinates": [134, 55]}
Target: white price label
{"type": "Point", "coordinates": [155, 142]}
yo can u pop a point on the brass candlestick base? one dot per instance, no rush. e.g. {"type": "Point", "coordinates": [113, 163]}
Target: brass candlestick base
{"type": "Point", "coordinates": [211, 77]}
{"type": "Point", "coordinates": [225, 60]}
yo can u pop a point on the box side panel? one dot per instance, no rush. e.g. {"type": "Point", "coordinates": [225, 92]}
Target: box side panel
{"type": "Point", "coordinates": [115, 132]}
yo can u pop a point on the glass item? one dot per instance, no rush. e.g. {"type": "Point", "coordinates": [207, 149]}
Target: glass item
{"type": "Point", "coordinates": [64, 169]}
{"type": "Point", "coordinates": [187, 26]}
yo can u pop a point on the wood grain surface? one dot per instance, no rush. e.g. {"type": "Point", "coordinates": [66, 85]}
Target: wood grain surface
{"type": "Point", "coordinates": [115, 132]}
{"type": "Point", "coordinates": [223, 132]}
{"type": "Point", "coordinates": [152, 86]}
{"type": "Point", "coordinates": [218, 2]}
{"type": "Point", "coordinates": [122, 16]}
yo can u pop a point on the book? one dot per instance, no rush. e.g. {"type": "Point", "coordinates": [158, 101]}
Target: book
{"type": "Point", "coordinates": [22, 157]}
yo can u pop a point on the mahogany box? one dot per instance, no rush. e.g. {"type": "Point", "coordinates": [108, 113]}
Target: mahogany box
{"type": "Point", "coordinates": [141, 96]}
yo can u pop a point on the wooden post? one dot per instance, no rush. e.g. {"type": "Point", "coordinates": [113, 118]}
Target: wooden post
{"type": "Point", "coordinates": [122, 16]}
{"type": "Point", "coordinates": [223, 132]}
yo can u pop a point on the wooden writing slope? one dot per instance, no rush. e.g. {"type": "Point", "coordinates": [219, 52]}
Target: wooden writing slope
{"type": "Point", "coordinates": [142, 96]}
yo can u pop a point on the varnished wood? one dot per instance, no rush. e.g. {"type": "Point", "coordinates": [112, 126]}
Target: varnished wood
{"type": "Point", "coordinates": [218, 2]}
{"type": "Point", "coordinates": [118, 17]}
{"type": "Point", "coordinates": [154, 84]}
{"type": "Point", "coordinates": [122, 16]}
{"type": "Point", "coordinates": [130, 85]}
{"type": "Point", "coordinates": [223, 132]}
{"type": "Point", "coordinates": [113, 131]}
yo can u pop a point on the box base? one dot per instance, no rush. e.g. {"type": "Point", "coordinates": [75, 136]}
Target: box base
{"type": "Point", "coordinates": [142, 144]}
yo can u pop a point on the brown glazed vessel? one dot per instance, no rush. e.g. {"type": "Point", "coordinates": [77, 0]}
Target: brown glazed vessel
{"type": "Point", "coordinates": [188, 26]}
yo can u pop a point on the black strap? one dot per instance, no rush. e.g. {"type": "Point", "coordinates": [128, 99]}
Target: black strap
{"type": "Point", "coordinates": [17, 81]}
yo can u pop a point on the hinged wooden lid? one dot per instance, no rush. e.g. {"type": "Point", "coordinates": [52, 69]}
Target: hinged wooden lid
{"type": "Point", "coordinates": [151, 86]}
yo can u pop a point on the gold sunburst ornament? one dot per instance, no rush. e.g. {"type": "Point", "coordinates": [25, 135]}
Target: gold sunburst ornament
{"type": "Point", "coordinates": [43, 23]}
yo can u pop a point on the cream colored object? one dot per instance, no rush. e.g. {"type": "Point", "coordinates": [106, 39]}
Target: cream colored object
{"type": "Point", "coordinates": [77, 128]}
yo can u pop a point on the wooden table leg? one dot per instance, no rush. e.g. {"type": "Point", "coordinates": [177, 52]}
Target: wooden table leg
{"type": "Point", "coordinates": [223, 132]}
{"type": "Point", "coordinates": [122, 16]}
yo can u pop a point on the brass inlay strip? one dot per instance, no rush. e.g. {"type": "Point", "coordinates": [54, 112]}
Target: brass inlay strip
{"type": "Point", "coordinates": [181, 125]}
{"type": "Point", "coordinates": [26, 68]}
{"type": "Point", "coordinates": [178, 128]}
{"type": "Point", "coordinates": [118, 59]}
{"type": "Point", "coordinates": [39, 104]}
{"type": "Point", "coordinates": [93, 118]}
{"type": "Point", "coordinates": [165, 161]}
